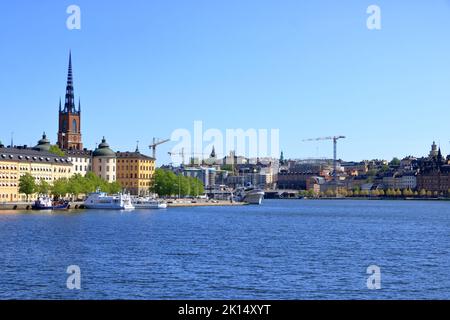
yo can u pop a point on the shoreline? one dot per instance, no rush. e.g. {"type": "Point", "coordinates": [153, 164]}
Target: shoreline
{"type": "Point", "coordinates": [26, 206]}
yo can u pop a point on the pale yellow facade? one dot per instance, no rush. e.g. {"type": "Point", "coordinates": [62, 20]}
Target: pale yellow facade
{"type": "Point", "coordinates": [14, 163]}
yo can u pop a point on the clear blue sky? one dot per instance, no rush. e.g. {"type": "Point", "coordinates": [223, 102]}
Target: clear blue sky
{"type": "Point", "coordinates": [309, 68]}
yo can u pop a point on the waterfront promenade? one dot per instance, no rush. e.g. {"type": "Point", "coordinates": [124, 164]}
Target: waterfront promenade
{"type": "Point", "coordinates": [172, 203]}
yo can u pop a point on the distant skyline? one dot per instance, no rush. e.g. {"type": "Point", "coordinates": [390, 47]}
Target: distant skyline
{"type": "Point", "coordinates": [311, 69]}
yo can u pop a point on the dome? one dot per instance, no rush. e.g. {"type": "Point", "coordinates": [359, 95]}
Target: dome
{"type": "Point", "coordinates": [43, 144]}
{"type": "Point", "coordinates": [103, 150]}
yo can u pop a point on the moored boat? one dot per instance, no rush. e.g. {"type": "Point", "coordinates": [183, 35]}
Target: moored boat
{"type": "Point", "coordinates": [250, 195]}
{"type": "Point", "coordinates": [148, 203]}
{"type": "Point", "coordinates": [101, 200]}
{"type": "Point", "coordinates": [45, 203]}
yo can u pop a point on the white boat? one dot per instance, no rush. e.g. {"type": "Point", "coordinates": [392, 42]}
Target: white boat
{"type": "Point", "coordinates": [148, 203]}
{"type": "Point", "coordinates": [101, 200]}
{"type": "Point", "coordinates": [250, 195]}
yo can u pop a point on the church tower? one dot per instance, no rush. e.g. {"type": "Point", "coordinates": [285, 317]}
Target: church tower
{"type": "Point", "coordinates": [69, 132]}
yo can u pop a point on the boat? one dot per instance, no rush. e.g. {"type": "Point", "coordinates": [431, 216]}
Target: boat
{"type": "Point", "coordinates": [46, 203]}
{"type": "Point", "coordinates": [101, 200]}
{"type": "Point", "coordinates": [148, 203]}
{"type": "Point", "coordinates": [249, 195]}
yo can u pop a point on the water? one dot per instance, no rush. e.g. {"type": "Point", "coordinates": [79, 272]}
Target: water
{"type": "Point", "coordinates": [284, 249]}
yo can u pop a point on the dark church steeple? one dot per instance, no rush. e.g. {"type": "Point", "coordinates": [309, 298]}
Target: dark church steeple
{"type": "Point", "coordinates": [69, 133]}
{"type": "Point", "coordinates": [69, 103]}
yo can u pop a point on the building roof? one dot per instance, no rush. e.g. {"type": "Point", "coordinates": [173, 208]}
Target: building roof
{"type": "Point", "coordinates": [43, 144]}
{"type": "Point", "coordinates": [85, 153]}
{"type": "Point", "coordinates": [134, 155]}
{"type": "Point", "coordinates": [27, 155]}
{"type": "Point", "coordinates": [103, 150]}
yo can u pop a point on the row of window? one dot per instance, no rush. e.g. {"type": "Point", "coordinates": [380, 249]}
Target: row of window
{"type": "Point", "coordinates": [6, 184]}
{"type": "Point", "coordinates": [142, 168]}
{"type": "Point", "coordinates": [133, 161]}
{"type": "Point", "coordinates": [8, 196]}
{"type": "Point", "coordinates": [134, 176]}
{"type": "Point", "coordinates": [108, 168]}
{"type": "Point", "coordinates": [8, 168]}
{"type": "Point", "coordinates": [107, 160]}
{"type": "Point", "coordinates": [80, 168]}
{"type": "Point", "coordinates": [135, 184]}
{"type": "Point", "coordinates": [79, 160]}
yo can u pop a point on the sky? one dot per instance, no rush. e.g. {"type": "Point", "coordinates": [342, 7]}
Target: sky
{"type": "Point", "coordinates": [144, 69]}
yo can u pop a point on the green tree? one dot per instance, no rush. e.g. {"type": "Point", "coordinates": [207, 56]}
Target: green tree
{"type": "Point", "coordinates": [43, 187]}
{"type": "Point", "coordinates": [114, 187]}
{"type": "Point", "coordinates": [75, 185]}
{"type": "Point", "coordinates": [60, 187]}
{"type": "Point", "coordinates": [395, 162]}
{"type": "Point", "coordinates": [27, 184]}
{"type": "Point", "coordinates": [56, 150]}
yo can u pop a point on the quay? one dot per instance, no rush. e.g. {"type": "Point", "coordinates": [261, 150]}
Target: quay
{"type": "Point", "coordinates": [21, 206]}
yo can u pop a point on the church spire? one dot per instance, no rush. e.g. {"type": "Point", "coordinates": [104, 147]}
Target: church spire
{"type": "Point", "coordinates": [79, 105]}
{"type": "Point", "coordinates": [69, 104]}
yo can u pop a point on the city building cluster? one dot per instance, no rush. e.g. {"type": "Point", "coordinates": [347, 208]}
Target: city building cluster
{"type": "Point", "coordinates": [133, 170]}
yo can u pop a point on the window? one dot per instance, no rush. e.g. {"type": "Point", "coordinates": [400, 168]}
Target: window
{"type": "Point", "coordinates": [74, 126]}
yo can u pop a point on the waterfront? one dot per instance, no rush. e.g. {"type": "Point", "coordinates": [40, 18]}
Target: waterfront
{"type": "Point", "coordinates": [284, 249]}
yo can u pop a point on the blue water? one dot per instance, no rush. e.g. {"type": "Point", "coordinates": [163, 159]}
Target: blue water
{"type": "Point", "coordinates": [284, 249]}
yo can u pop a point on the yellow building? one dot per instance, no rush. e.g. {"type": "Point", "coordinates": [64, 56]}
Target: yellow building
{"type": "Point", "coordinates": [42, 165]}
{"type": "Point", "coordinates": [135, 172]}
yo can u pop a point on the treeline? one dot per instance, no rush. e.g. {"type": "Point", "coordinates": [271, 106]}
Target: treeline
{"type": "Point", "coordinates": [167, 183]}
{"type": "Point", "coordinates": [73, 186]}
{"type": "Point", "coordinates": [390, 193]}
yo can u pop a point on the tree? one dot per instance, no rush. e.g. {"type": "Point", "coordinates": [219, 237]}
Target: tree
{"type": "Point", "coordinates": [56, 150]}
{"type": "Point", "coordinates": [381, 192]}
{"type": "Point", "coordinates": [423, 192]}
{"type": "Point", "coordinates": [114, 187]}
{"type": "Point", "coordinates": [75, 185]}
{"type": "Point", "coordinates": [43, 187]}
{"type": "Point", "coordinates": [395, 162]}
{"type": "Point", "coordinates": [60, 187]}
{"type": "Point", "coordinates": [27, 184]}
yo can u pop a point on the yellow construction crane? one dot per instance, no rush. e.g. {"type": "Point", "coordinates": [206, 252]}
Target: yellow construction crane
{"type": "Point", "coordinates": [157, 142]}
{"type": "Point", "coordinates": [335, 139]}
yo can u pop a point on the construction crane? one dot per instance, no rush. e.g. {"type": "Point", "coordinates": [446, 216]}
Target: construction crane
{"type": "Point", "coordinates": [335, 139]}
{"type": "Point", "coordinates": [178, 154]}
{"type": "Point", "coordinates": [157, 142]}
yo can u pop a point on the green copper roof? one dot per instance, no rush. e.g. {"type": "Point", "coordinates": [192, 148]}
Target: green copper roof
{"type": "Point", "coordinates": [103, 150]}
{"type": "Point", "coordinates": [43, 144]}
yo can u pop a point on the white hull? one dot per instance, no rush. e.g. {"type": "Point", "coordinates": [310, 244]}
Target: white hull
{"type": "Point", "coordinates": [254, 197]}
{"type": "Point", "coordinates": [150, 205]}
{"type": "Point", "coordinates": [108, 206]}
{"type": "Point", "coordinates": [100, 200]}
